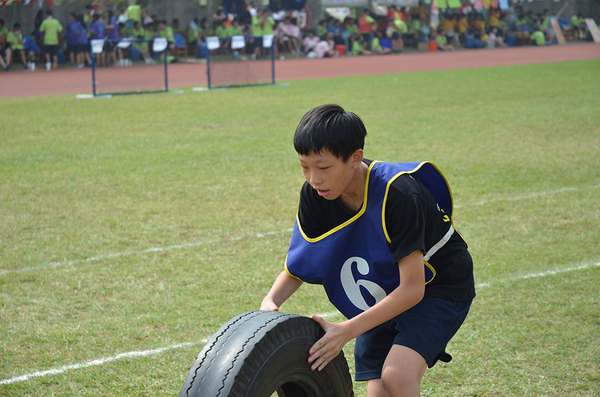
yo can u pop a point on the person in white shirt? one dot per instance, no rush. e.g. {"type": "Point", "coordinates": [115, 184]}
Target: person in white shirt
{"type": "Point", "coordinates": [288, 36]}
{"type": "Point", "coordinates": [495, 39]}
{"type": "Point", "coordinates": [310, 42]}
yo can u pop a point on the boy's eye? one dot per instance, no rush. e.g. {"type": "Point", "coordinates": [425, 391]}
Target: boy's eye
{"type": "Point", "coordinates": [324, 168]}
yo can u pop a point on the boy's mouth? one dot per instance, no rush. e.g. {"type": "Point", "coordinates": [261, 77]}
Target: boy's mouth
{"type": "Point", "coordinates": [322, 192]}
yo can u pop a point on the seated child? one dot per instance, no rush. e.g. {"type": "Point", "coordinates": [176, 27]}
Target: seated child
{"type": "Point", "coordinates": [443, 41]}
{"type": "Point", "coordinates": [376, 47]}
{"type": "Point", "coordinates": [358, 47]}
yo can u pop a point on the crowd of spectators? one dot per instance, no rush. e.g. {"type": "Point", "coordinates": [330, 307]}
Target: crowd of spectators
{"type": "Point", "coordinates": [385, 31]}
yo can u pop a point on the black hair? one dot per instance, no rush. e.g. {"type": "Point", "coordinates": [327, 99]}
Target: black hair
{"type": "Point", "coordinates": [48, 12]}
{"type": "Point", "coordinates": [96, 17]}
{"type": "Point", "coordinates": [331, 128]}
{"type": "Point", "coordinates": [17, 26]}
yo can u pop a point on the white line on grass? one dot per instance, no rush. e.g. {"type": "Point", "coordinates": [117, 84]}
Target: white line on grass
{"type": "Point", "coordinates": [94, 363]}
{"type": "Point", "coordinates": [52, 265]}
{"type": "Point", "coordinates": [145, 251]}
{"type": "Point", "coordinates": [531, 195]}
{"type": "Point", "coordinates": [152, 352]}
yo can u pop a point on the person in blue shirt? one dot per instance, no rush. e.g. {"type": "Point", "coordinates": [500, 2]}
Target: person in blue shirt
{"type": "Point", "coordinates": [83, 43]}
{"type": "Point", "coordinates": [112, 36]}
{"type": "Point", "coordinates": [73, 31]}
{"type": "Point", "coordinates": [381, 240]}
{"type": "Point", "coordinates": [98, 33]}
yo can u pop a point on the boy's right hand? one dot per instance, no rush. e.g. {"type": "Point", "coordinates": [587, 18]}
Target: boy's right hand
{"type": "Point", "coordinates": [268, 304]}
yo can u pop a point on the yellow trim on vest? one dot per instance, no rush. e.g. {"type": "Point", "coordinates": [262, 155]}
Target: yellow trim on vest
{"type": "Point", "coordinates": [343, 225]}
{"type": "Point", "coordinates": [432, 271]}
{"type": "Point", "coordinates": [288, 272]}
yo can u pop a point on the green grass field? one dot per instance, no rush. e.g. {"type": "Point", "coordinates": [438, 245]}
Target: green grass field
{"type": "Point", "coordinates": [146, 222]}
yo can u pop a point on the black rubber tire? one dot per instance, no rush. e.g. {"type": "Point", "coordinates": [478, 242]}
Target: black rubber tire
{"type": "Point", "coordinates": [259, 353]}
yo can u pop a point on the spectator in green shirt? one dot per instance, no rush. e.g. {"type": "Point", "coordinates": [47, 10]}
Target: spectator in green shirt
{"type": "Point", "coordinates": [350, 26]}
{"type": "Point", "coordinates": [167, 32]}
{"type": "Point", "coordinates": [376, 47]}
{"type": "Point", "coordinates": [17, 45]}
{"type": "Point", "coordinates": [442, 41]}
{"type": "Point", "coordinates": [223, 34]}
{"type": "Point", "coordinates": [234, 29]}
{"type": "Point", "coordinates": [257, 24]}
{"type": "Point", "coordinates": [268, 23]}
{"type": "Point", "coordinates": [538, 38]}
{"type": "Point", "coordinates": [545, 21]}
{"type": "Point", "coordinates": [399, 34]}
{"type": "Point", "coordinates": [221, 30]}
{"type": "Point", "coordinates": [257, 32]}
{"type": "Point", "coordinates": [138, 32]}
{"type": "Point", "coordinates": [3, 29]}
{"type": "Point", "coordinates": [51, 28]}
{"type": "Point", "coordinates": [134, 12]}
{"type": "Point", "coordinates": [413, 31]}
{"type": "Point", "coordinates": [358, 47]}
{"type": "Point", "coordinates": [578, 25]}
{"type": "Point", "coordinates": [322, 28]}
{"type": "Point", "coordinates": [87, 19]}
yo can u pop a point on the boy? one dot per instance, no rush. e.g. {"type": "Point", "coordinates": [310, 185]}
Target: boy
{"type": "Point", "coordinates": [380, 238]}
{"type": "Point", "coordinates": [166, 32]}
{"type": "Point", "coordinates": [17, 45]}
{"type": "Point", "coordinates": [51, 27]}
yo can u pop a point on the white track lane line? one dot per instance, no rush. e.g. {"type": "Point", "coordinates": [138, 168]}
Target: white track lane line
{"type": "Point", "coordinates": [52, 265]}
{"type": "Point", "coordinates": [152, 352]}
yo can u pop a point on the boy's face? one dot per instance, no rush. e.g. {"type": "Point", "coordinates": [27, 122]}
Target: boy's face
{"type": "Point", "coordinates": [329, 175]}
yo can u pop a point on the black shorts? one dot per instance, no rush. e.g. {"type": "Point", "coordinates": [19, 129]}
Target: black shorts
{"type": "Point", "coordinates": [17, 53]}
{"type": "Point", "coordinates": [395, 36]}
{"type": "Point", "coordinates": [51, 49]}
{"type": "Point", "coordinates": [3, 51]}
{"type": "Point", "coordinates": [109, 46]}
{"type": "Point", "coordinates": [425, 328]}
{"type": "Point", "coordinates": [73, 49]}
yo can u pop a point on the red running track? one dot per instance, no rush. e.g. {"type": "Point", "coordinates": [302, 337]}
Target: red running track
{"type": "Point", "coordinates": [79, 81]}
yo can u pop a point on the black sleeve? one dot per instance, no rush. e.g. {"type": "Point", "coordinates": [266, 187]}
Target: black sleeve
{"type": "Point", "coordinates": [308, 213]}
{"type": "Point", "coordinates": [405, 223]}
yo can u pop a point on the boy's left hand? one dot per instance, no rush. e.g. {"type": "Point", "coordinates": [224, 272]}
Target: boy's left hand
{"type": "Point", "coordinates": [329, 346]}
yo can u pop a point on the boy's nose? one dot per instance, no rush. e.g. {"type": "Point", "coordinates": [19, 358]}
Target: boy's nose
{"type": "Point", "coordinates": [315, 179]}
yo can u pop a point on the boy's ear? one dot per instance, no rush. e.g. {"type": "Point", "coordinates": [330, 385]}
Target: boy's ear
{"type": "Point", "coordinates": [356, 158]}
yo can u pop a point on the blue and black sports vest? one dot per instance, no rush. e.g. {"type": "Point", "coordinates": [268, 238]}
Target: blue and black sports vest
{"type": "Point", "coordinates": [353, 261]}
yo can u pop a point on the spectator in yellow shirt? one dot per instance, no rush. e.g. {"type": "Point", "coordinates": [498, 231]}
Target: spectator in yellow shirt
{"type": "Point", "coordinates": [494, 18]}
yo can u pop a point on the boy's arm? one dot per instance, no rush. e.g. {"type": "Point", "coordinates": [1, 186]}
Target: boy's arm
{"type": "Point", "coordinates": [406, 295]}
{"type": "Point", "coordinates": [283, 287]}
